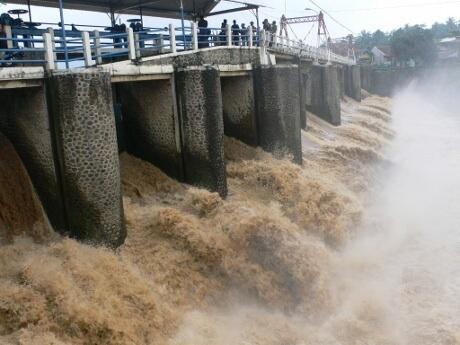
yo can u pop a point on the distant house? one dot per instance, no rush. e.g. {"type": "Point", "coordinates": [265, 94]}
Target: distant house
{"type": "Point", "coordinates": [449, 49]}
{"type": "Point", "coordinates": [382, 55]}
{"type": "Point", "coordinates": [364, 56]}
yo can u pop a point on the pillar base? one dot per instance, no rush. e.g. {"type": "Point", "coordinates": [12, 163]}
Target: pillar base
{"type": "Point", "coordinates": [325, 95]}
{"type": "Point", "coordinates": [84, 124]}
{"type": "Point", "coordinates": [202, 127]}
{"type": "Point", "coordinates": [278, 109]}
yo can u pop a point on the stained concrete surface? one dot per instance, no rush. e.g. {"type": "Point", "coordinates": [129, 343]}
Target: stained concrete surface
{"type": "Point", "coordinates": [202, 127]}
{"type": "Point", "coordinates": [82, 110]}
{"type": "Point", "coordinates": [151, 124]}
{"type": "Point", "coordinates": [278, 109]}
{"type": "Point", "coordinates": [239, 108]}
{"type": "Point", "coordinates": [24, 119]}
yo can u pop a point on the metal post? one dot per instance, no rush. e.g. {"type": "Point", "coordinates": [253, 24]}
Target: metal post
{"type": "Point", "coordinates": [53, 41]}
{"type": "Point", "coordinates": [131, 44]}
{"type": "Point", "coordinates": [49, 54]}
{"type": "Point", "coordinates": [161, 43]}
{"type": "Point", "coordinates": [229, 35]}
{"type": "Point", "coordinates": [172, 38]}
{"type": "Point", "coordinates": [137, 45]}
{"type": "Point", "coordinates": [183, 23]}
{"type": "Point", "coordinates": [258, 24]}
{"type": "Point", "coordinates": [142, 17]}
{"type": "Point", "coordinates": [194, 37]}
{"type": "Point", "coordinates": [8, 34]}
{"type": "Point", "coordinates": [86, 49]}
{"type": "Point", "coordinates": [30, 12]}
{"type": "Point", "coordinates": [250, 36]}
{"type": "Point", "coordinates": [64, 39]}
{"type": "Point", "coordinates": [97, 47]}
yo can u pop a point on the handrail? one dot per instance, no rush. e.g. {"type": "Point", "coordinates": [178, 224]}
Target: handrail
{"type": "Point", "coordinates": [90, 48]}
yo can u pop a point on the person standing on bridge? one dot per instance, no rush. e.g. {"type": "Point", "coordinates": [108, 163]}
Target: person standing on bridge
{"type": "Point", "coordinates": [266, 25]}
{"type": "Point", "coordinates": [203, 32]}
{"type": "Point", "coordinates": [273, 32]}
{"type": "Point", "coordinates": [235, 34]}
{"type": "Point", "coordinates": [254, 31]}
{"type": "Point", "coordinates": [244, 35]}
{"type": "Point", "coordinates": [223, 33]}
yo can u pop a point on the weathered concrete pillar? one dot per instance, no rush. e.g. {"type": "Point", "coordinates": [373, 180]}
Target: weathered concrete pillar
{"type": "Point", "coordinates": [202, 127]}
{"type": "Point", "coordinates": [303, 85]}
{"type": "Point", "coordinates": [341, 71]}
{"type": "Point", "coordinates": [151, 123]}
{"type": "Point", "coordinates": [278, 109]}
{"type": "Point", "coordinates": [353, 82]}
{"type": "Point", "coordinates": [84, 123]}
{"type": "Point", "coordinates": [365, 72]}
{"type": "Point", "coordinates": [325, 97]}
{"type": "Point", "coordinates": [24, 120]}
{"type": "Point", "coordinates": [239, 108]}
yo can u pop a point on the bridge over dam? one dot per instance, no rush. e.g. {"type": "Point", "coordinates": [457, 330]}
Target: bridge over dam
{"type": "Point", "coordinates": [172, 110]}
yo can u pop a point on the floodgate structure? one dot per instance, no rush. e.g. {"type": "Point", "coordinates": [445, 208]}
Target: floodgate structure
{"type": "Point", "coordinates": [163, 100]}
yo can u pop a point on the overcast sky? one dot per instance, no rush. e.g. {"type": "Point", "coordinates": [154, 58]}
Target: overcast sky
{"type": "Point", "coordinates": [354, 15]}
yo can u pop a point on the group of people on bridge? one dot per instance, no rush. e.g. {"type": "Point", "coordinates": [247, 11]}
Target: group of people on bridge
{"type": "Point", "coordinates": [239, 34]}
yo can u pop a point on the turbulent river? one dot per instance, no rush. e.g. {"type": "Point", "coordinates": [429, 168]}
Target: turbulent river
{"type": "Point", "coordinates": [360, 245]}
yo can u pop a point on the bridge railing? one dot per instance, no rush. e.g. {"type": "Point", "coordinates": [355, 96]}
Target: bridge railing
{"type": "Point", "coordinates": [54, 49]}
{"type": "Point", "coordinates": [282, 44]}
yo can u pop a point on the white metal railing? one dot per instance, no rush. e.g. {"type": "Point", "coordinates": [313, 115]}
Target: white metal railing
{"type": "Point", "coordinates": [89, 48]}
{"type": "Point", "coordinates": [288, 46]}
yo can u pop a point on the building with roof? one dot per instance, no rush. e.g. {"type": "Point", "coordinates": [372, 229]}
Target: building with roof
{"type": "Point", "coordinates": [382, 55]}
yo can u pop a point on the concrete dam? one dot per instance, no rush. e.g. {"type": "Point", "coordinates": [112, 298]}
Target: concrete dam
{"type": "Point", "coordinates": [231, 195]}
{"type": "Point", "coordinates": [171, 110]}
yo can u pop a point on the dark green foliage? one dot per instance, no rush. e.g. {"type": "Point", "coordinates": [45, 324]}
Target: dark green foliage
{"type": "Point", "coordinates": [413, 42]}
{"type": "Point", "coordinates": [410, 42]}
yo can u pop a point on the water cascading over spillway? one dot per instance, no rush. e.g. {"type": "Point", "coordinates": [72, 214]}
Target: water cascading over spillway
{"type": "Point", "coordinates": [357, 246]}
{"type": "Point", "coordinates": [20, 209]}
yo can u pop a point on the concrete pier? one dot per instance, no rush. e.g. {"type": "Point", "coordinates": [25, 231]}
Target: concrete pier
{"type": "Point", "coordinates": [353, 82]}
{"type": "Point", "coordinates": [239, 110]}
{"type": "Point", "coordinates": [304, 90]}
{"type": "Point", "coordinates": [82, 110]}
{"type": "Point", "coordinates": [202, 127]}
{"type": "Point", "coordinates": [151, 123]}
{"type": "Point", "coordinates": [170, 110]}
{"type": "Point", "coordinates": [325, 95]}
{"type": "Point", "coordinates": [341, 74]}
{"type": "Point", "coordinates": [24, 119]}
{"type": "Point", "coordinates": [278, 109]}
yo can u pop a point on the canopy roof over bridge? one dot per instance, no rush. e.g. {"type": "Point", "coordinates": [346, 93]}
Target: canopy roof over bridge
{"type": "Point", "coordinates": [154, 8]}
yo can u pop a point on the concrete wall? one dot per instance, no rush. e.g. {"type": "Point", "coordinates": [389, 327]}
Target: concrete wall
{"type": "Point", "coordinates": [385, 82]}
{"type": "Point", "coordinates": [324, 100]}
{"type": "Point", "coordinates": [202, 127]}
{"type": "Point", "coordinates": [365, 73]}
{"type": "Point", "coordinates": [239, 110]}
{"type": "Point", "coordinates": [151, 123]}
{"type": "Point", "coordinates": [24, 119]}
{"type": "Point", "coordinates": [353, 82]}
{"type": "Point", "coordinates": [82, 109]}
{"type": "Point", "coordinates": [341, 74]}
{"type": "Point", "coordinates": [278, 109]}
{"type": "Point", "coordinates": [224, 56]}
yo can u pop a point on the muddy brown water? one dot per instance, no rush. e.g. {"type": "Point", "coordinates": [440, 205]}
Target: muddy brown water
{"type": "Point", "coordinates": [274, 263]}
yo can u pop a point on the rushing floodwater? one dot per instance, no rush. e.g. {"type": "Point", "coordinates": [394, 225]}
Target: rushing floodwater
{"type": "Point", "coordinates": [412, 245]}
{"type": "Point", "coordinates": [360, 246]}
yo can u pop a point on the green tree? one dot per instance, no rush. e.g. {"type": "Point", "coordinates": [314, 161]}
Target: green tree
{"type": "Point", "coordinates": [379, 38]}
{"type": "Point", "coordinates": [450, 28]}
{"type": "Point", "coordinates": [413, 42]}
{"type": "Point", "coordinates": [367, 40]}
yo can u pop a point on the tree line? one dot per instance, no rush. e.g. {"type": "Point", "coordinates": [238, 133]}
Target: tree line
{"type": "Point", "coordinates": [416, 42]}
